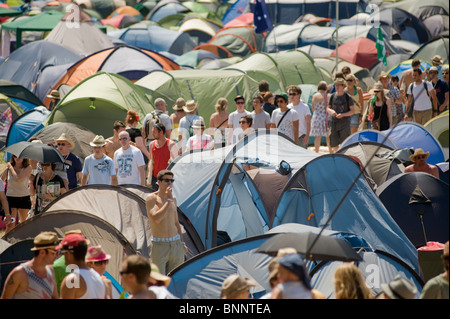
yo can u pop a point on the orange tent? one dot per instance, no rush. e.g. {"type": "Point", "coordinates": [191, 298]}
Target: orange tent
{"type": "Point", "coordinates": [360, 51]}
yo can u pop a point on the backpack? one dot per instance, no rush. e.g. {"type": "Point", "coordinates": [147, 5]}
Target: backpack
{"type": "Point", "coordinates": [154, 119]}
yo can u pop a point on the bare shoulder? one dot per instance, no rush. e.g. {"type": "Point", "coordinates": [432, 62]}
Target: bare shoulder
{"type": "Point", "coordinates": [151, 198]}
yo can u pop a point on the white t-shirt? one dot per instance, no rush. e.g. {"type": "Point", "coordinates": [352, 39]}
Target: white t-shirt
{"type": "Point", "coordinates": [127, 164]}
{"type": "Point", "coordinates": [99, 170]}
{"type": "Point", "coordinates": [421, 100]}
{"type": "Point", "coordinates": [286, 127]}
{"type": "Point", "coordinates": [234, 117]}
{"type": "Point", "coordinates": [303, 111]}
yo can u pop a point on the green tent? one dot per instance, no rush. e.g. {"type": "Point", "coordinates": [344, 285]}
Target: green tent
{"type": "Point", "coordinates": [96, 102]}
{"type": "Point", "coordinates": [431, 48]}
{"type": "Point", "coordinates": [438, 127]}
{"type": "Point", "coordinates": [202, 86]}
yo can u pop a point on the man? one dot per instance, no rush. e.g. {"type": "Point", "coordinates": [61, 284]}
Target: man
{"type": "Point", "coordinates": [54, 97]}
{"type": "Point", "coordinates": [437, 287]}
{"type": "Point", "coordinates": [420, 163]}
{"type": "Point", "coordinates": [284, 119]}
{"type": "Point", "coordinates": [185, 129]}
{"type": "Point", "coordinates": [72, 163]}
{"type": "Point", "coordinates": [407, 76]}
{"type": "Point", "coordinates": [129, 162]}
{"type": "Point", "coordinates": [445, 75]}
{"type": "Point", "coordinates": [168, 248]}
{"type": "Point", "coordinates": [83, 282]}
{"type": "Point", "coordinates": [160, 115]}
{"type": "Point", "coordinates": [261, 119]}
{"type": "Point", "coordinates": [419, 101]}
{"type": "Point", "coordinates": [234, 118]}
{"type": "Point", "coordinates": [398, 288]}
{"type": "Point", "coordinates": [98, 168]}
{"type": "Point", "coordinates": [394, 94]}
{"type": "Point", "coordinates": [340, 107]}
{"type": "Point", "coordinates": [441, 89]}
{"type": "Point", "coordinates": [112, 143]}
{"type": "Point", "coordinates": [304, 114]}
{"type": "Point", "coordinates": [135, 274]}
{"type": "Point", "coordinates": [35, 279]}
{"type": "Point", "coordinates": [162, 152]}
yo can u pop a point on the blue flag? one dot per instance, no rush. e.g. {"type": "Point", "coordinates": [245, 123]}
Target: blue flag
{"type": "Point", "coordinates": [261, 17]}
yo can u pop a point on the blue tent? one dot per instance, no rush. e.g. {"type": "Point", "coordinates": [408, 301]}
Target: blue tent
{"type": "Point", "coordinates": [155, 38]}
{"type": "Point", "coordinates": [419, 204]}
{"type": "Point", "coordinates": [370, 136]}
{"type": "Point", "coordinates": [25, 126]}
{"type": "Point", "coordinates": [308, 199]}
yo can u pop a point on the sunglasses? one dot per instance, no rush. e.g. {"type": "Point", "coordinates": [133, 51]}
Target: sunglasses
{"type": "Point", "coordinates": [242, 122]}
{"type": "Point", "coordinates": [292, 93]}
{"type": "Point", "coordinates": [240, 102]}
{"type": "Point", "coordinates": [99, 263]}
{"type": "Point", "coordinates": [280, 101]}
{"type": "Point", "coordinates": [349, 80]}
{"type": "Point", "coordinates": [445, 73]}
{"type": "Point", "coordinates": [168, 180]}
{"type": "Point", "coordinates": [62, 144]}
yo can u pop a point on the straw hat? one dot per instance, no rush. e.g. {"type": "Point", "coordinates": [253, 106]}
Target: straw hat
{"type": "Point", "coordinates": [96, 253]}
{"type": "Point", "coordinates": [384, 75]}
{"type": "Point", "coordinates": [437, 59]}
{"type": "Point", "coordinates": [190, 106]}
{"type": "Point", "coordinates": [45, 240]}
{"type": "Point", "coordinates": [98, 141]}
{"type": "Point", "coordinates": [400, 288]}
{"type": "Point", "coordinates": [418, 152]}
{"type": "Point", "coordinates": [65, 138]}
{"type": "Point", "coordinates": [180, 102]}
{"type": "Point", "coordinates": [198, 124]}
{"type": "Point", "coordinates": [156, 274]}
{"type": "Point", "coordinates": [378, 87]}
{"type": "Point", "coordinates": [234, 284]}
{"type": "Point", "coordinates": [54, 94]}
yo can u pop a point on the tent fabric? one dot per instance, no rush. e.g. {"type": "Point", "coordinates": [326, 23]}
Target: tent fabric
{"type": "Point", "coordinates": [9, 112]}
{"type": "Point", "coordinates": [95, 229]}
{"type": "Point", "coordinates": [404, 65]}
{"type": "Point", "coordinates": [369, 135]}
{"type": "Point", "coordinates": [436, 46]}
{"type": "Point", "coordinates": [98, 101]}
{"type": "Point", "coordinates": [360, 51]}
{"type": "Point", "coordinates": [438, 127]}
{"type": "Point", "coordinates": [308, 200]}
{"type": "Point", "coordinates": [418, 202]}
{"type": "Point", "coordinates": [421, 9]}
{"type": "Point", "coordinates": [18, 93]}
{"type": "Point", "coordinates": [202, 29]}
{"type": "Point", "coordinates": [437, 25]}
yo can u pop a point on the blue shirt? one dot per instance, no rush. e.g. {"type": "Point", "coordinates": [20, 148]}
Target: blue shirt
{"type": "Point", "coordinates": [99, 170]}
{"type": "Point", "coordinates": [72, 165]}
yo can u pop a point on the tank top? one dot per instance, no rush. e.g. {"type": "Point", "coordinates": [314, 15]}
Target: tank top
{"type": "Point", "coordinates": [38, 288]}
{"type": "Point", "coordinates": [160, 157]}
{"type": "Point", "coordinates": [15, 188]}
{"type": "Point", "coordinates": [355, 97]}
{"type": "Point", "coordinates": [95, 287]}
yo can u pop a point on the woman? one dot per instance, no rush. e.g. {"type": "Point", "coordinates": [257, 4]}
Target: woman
{"type": "Point", "coordinates": [218, 122]}
{"type": "Point", "coordinates": [319, 120]}
{"type": "Point", "coordinates": [349, 283]}
{"type": "Point", "coordinates": [97, 259]}
{"type": "Point", "coordinates": [131, 122]}
{"type": "Point", "coordinates": [269, 102]}
{"type": "Point", "coordinates": [47, 186]}
{"type": "Point", "coordinates": [176, 117]}
{"type": "Point", "coordinates": [358, 102]}
{"type": "Point", "coordinates": [17, 175]}
{"type": "Point", "coordinates": [380, 105]}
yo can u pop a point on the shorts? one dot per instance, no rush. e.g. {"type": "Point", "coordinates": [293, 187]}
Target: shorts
{"type": "Point", "coordinates": [167, 255]}
{"type": "Point", "coordinates": [354, 120]}
{"type": "Point", "coordinates": [19, 202]}
{"type": "Point", "coordinates": [338, 136]}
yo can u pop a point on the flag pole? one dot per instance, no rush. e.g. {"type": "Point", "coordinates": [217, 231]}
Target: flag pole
{"type": "Point", "coordinates": [337, 36]}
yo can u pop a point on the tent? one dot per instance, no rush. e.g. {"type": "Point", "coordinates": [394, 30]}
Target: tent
{"type": "Point", "coordinates": [438, 127]}
{"type": "Point", "coordinates": [421, 9]}
{"type": "Point", "coordinates": [360, 51]}
{"type": "Point", "coordinates": [431, 48]}
{"type": "Point", "coordinates": [128, 61]}
{"type": "Point", "coordinates": [315, 51]}
{"type": "Point", "coordinates": [200, 30]}
{"type": "Point", "coordinates": [369, 135]}
{"type": "Point", "coordinates": [192, 58]}
{"type": "Point", "coordinates": [165, 8]}
{"type": "Point", "coordinates": [20, 95]}
{"type": "Point", "coordinates": [72, 30]}
{"type": "Point", "coordinates": [9, 112]}
{"type": "Point", "coordinates": [98, 101]}
{"type": "Point", "coordinates": [32, 63]}
{"type": "Point", "coordinates": [191, 84]}
{"type": "Point", "coordinates": [437, 25]}
{"type": "Point", "coordinates": [405, 65]}
{"type": "Point", "coordinates": [231, 192]}
{"type": "Point", "coordinates": [356, 209]}
{"type": "Point", "coordinates": [155, 38]}
{"type": "Point", "coordinates": [380, 168]}
{"type": "Point", "coordinates": [25, 126]}
{"type": "Point", "coordinates": [419, 204]}
{"type": "Point", "coordinates": [391, 61]}
{"type": "Point", "coordinates": [105, 7]}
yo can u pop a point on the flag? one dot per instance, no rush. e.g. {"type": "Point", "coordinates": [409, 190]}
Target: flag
{"type": "Point", "coordinates": [261, 17]}
{"type": "Point", "coordinates": [381, 49]}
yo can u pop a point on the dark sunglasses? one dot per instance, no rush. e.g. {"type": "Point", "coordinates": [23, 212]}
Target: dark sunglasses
{"type": "Point", "coordinates": [61, 144]}
{"type": "Point", "coordinates": [123, 139]}
{"type": "Point", "coordinates": [98, 263]}
{"type": "Point", "coordinates": [349, 80]}
{"type": "Point", "coordinates": [280, 101]}
{"type": "Point", "coordinates": [240, 102]}
{"type": "Point", "coordinates": [242, 122]}
{"type": "Point", "coordinates": [167, 180]}
{"type": "Point", "coordinates": [421, 157]}
{"type": "Point", "coordinates": [292, 93]}
{"type": "Point", "coordinates": [445, 73]}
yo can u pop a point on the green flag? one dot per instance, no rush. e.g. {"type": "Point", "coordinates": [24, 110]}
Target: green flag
{"type": "Point", "coordinates": [381, 50]}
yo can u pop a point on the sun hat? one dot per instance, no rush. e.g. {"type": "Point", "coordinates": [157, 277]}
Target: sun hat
{"type": "Point", "coordinates": [156, 274]}
{"type": "Point", "coordinates": [54, 94]}
{"type": "Point", "coordinates": [98, 141]}
{"type": "Point", "coordinates": [96, 253]}
{"type": "Point", "coordinates": [65, 138]}
{"type": "Point", "coordinates": [294, 263]}
{"type": "Point", "coordinates": [378, 87]}
{"type": "Point", "coordinates": [437, 59]}
{"type": "Point", "coordinates": [417, 152]}
{"type": "Point", "coordinates": [433, 68]}
{"type": "Point", "coordinates": [235, 283]}
{"type": "Point", "coordinates": [45, 240]}
{"type": "Point", "coordinates": [198, 124]}
{"type": "Point", "coordinates": [340, 81]}
{"type": "Point", "coordinates": [70, 241]}
{"type": "Point", "coordinates": [383, 75]}
{"type": "Point", "coordinates": [178, 106]}
{"type": "Point", "coordinates": [400, 288]}
{"type": "Point", "coordinates": [190, 106]}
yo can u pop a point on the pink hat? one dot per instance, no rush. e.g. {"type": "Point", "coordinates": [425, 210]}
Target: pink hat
{"type": "Point", "coordinates": [96, 253]}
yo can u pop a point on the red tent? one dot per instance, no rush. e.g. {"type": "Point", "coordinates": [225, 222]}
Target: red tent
{"type": "Point", "coordinates": [360, 51]}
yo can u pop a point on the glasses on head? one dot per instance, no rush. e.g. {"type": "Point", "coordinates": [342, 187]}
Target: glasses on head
{"type": "Point", "coordinates": [123, 139]}
{"type": "Point", "coordinates": [62, 144]}
{"type": "Point", "coordinates": [279, 101]}
{"type": "Point", "coordinates": [240, 102]}
{"type": "Point", "coordinates": [168, 180]}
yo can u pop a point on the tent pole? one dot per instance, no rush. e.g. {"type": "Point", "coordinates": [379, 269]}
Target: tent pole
{"type": "Point", "coordinates": [337, 35]}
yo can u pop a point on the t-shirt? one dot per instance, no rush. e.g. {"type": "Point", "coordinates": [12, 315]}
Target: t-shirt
{"type": "Point", "coordinates": [341, 104]}
{"type": "Point", "coordinates": [53, 187]}
{"type": "Point", "coordinates": [441, 87]}
{"type": "Point", "coordinates": [234, 117]}
{"type": "Point", "coordinates": [127, 163]}
{"type": "Point", "coordinates": [99, 170]}
{"type": "Point", "coordinates": [422, 101]}
{"type": "Point", "coordinates": [286, 127]}
{"type": "Point", "coordinates": [303, 111]}
{"type": "Point", "coordinates": [134, 132]}
{"type": "Point", "coordinates": [195, 142]}
{"type": "Point", "coordinates": [436, 288]}
{"type": "Point", "coordinates": [260, 120]}
{"type": "Point", "coordinates": [72, 165]}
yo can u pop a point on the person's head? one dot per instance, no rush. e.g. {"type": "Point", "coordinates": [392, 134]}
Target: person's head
{"type": "Point", "coordinates": [268, 97]}
{"type": "Point", "coordinates": [433, 73]}
{"type": "Point", "coordinates": [339, 75]}
{"type": "Point", "coordinates": [384, 78]}
{"type": "Point", "coordinates": [437, 60]}
{"type": "Point", "coordinates": [395, 80]}
{"type": "Point", "coordinates": [165, 178]}
{"type": "Point", "coordinates": [322, 86]}
{"type": "Point", "coordinates": [346, 70]}
{"type": "Point", "coordinates": [415, 64]}
{"type": "Point", "coordinates": [64, 144]}
{"type": "Point", "coordinates": [98, 144]}
{"type": "Point", "coordinates": [340, 84]}
{"type": "Point", "coordinates": [158, 130]}
{"type": "Point", "coordinates": [281, 100]}
{"type": "Point", "coordinates": [221, 104]}
{"type": "Point", "coordinates": [236, 287]}
{"type": "Point", "coordinates": [350, 80]}
{"type": "Point", "coordinates": [399, 288]}
{"type": "Point", "coordinates": [97, 259]}
{"type": "Point", "coordinates": [349, 283]}
{"type": "Point", "coordinates": [239, 101]}
{"type": "Point", "coordinates": [132, 118]}
{"type": "Point", "coordinates": [419, 156]}
{"type": "Point", "coordinates": [291, 268]}
{"type": "Point", "coordinates": [124, 139]}
{"type": "Point", "coordinates": [445, 75]}
{"type": "Point", "coordinates": [74, 246]}
{"type": "Point", "coordinates": [445, 256]}
{"type": "Point", "coordinates": [294, 92]}
{"type": "Point", "coordinates": [417, 75]}
{"type": "Point", "coordinates": [48, 167]}
{"type": "Point", "coordinates": [160, 104]}
{"type": "Point", "coordinates": [379, 91]}
{"type": "Point", "coordinates": [135, 270]}
{"type": "Point", "coordinates": [45, 247]}
{"type": "Point", "coordinates": [179, 104]}
{"type": "Point", "coordinates": [246, 121]}
{"type": "Point", "coordinates": [263, 86]}
{"type": "Point", "coordinates": [190, 107]}
{"type": "Point", "coordinates": [199, 127]}
{"type": "Point", "coordinates": [19, 160]}
{"type": "Point", "coordinates": [258, 102]}
{"type": "Point", "coordinates": [118, 127]}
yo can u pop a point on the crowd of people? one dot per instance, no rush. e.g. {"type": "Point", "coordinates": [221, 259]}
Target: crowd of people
{"type": "Point", "coordinates": [141, 156]}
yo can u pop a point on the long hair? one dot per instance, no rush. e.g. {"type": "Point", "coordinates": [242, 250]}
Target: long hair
{"type": "Point", "coordinates": [25, 162]}
{"type": "Point", "coordinates": [349, 283]}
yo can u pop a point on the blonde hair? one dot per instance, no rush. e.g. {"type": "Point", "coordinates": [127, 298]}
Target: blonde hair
{"type": "Point", "coordinates": [349, 283]}
{"type": "Point", "coordinates": [221, 104]}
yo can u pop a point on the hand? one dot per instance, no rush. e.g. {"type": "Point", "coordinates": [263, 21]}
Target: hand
{"type": "Point", "coordinates": [169, 192]}
{"type": "Point", "coordinates": [339, 116]}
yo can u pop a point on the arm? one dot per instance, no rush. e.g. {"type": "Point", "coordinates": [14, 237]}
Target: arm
{"type": "Point", "coordinates": [295, 128]}
{"type": "Point", "coordinates": [141, 145]}
{"type": "Point", "coordinates": [361, 102]}
{"type": "Point", "coordinates": [308, 129]}
{"type": "Point", "coordinates": [150, 162]}
{"type": "Point", "coordinates": [443, 105]}
{"type": "Point", "coordinates": [114, 180]}
{"type": "Point", "coordinates": [408, 106]}
{"type": "Point", "coordinates": [142, 174]}
{"type": "Point", "coordinates": [23, 174]}
{"type": "Point", "coordinates": [13, 283]}
{"type": "Point", "coordinates": [65, 291]}
{"type": "Point", "coordinates": [434, 102]}
{"type": "Point", "coordinates": [389, 111]}
{"type": "Point", "coordinates": [153, 213]}
{"type": "Point", "coordinates": [84, 179]}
